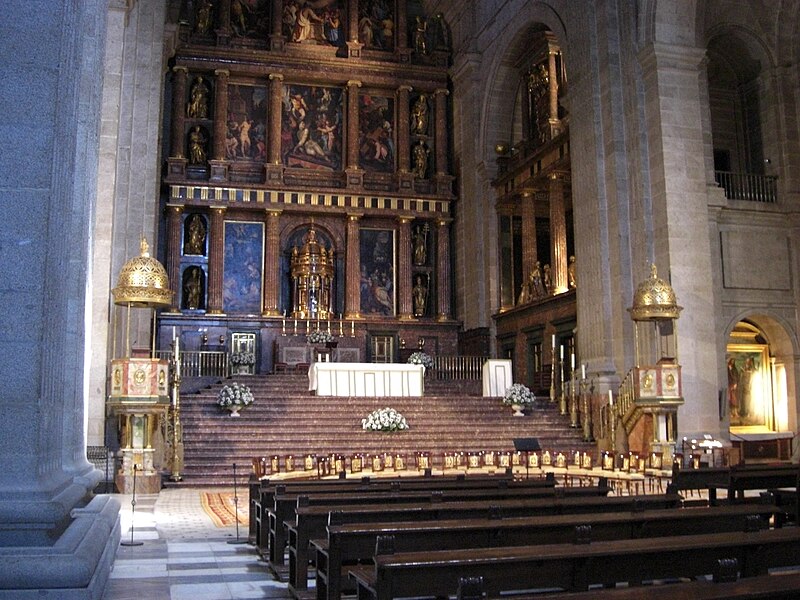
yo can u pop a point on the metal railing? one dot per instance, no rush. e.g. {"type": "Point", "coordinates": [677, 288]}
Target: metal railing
{"type": "Point", "coordinates": [748, 186]}
{"type": "Point", "coordinates": [458, 367]}
{"type": "Point", "coordinates": [202, 363]}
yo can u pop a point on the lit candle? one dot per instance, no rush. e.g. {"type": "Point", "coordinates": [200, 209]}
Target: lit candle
{"type": "Point", "coordinates": [340, 325]}
{"type": "Point", "coordinates": [572, 362]}
{"type": "Point", "coordinates": [352, 328]}
{"type": "Point", "coordinates": [610, 399]}
{"type": "Point", "coordinates": [283, 326]}
{"type": "Point", "coordinates": [561, 353]}
{"type": "Point", "coordinates": [177, 358]}
{"type": "Point", "coordinates": [583, 371]}
{"type": "Point", "coordinates": [329, 325]}
{"type": "Point", "coordinates": [173, 332]}
{"type": "Point", "coordinates": [295, 326]}
{"type": "Point", "coordinates": [554, 341]}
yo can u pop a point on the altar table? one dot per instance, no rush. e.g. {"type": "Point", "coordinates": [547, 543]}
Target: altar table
{"type": "Point", "coordinates": [366, 379]}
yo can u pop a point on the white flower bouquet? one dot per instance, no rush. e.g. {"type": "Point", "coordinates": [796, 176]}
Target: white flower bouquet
{"type": "Point", "coordinates": [420, 358]}
{"type": "Point", "coordinates": [320, 337]}
{"type": "Point", "coordinates": [518, 394]}
{"type": "Point", "coordinates": [384, 419]}
{"type": "Point", "coordinates": [234, 394]}
{"type": "Point", "coordinates": [243, 358]}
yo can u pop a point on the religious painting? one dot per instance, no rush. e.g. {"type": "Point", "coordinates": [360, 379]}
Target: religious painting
{"type": "Point", "coordinates": [246, 138]}
{"type": "Point", "coordinates": [319, 22]}
{"type": "Point", "coordinates": [375, 136]}
{"type": "Point", "coordinates": [376, 24]}
{"type": "Point", "coordinates": [377, 271]}
{"type": "Point", "coordinates": [242, 268]}
{"type": "Point", "coordinates": [250, 19]}
{"type": "Point", "coordinates": [749, 385]}
{"type": "Point", "coordinates": [311, 127]}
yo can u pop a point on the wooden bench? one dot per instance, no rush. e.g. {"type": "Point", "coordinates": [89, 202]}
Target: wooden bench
{"type": "Point", "coordinates": [574, 567]}
{"type": "Point", "coordinates": [312, 521]}
{"type": "Point", "coordinates": [353, 543]}
{"type": "Point", "coordinates": [735, 480]}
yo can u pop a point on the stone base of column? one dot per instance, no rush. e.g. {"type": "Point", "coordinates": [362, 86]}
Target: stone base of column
{"type": "Point", "coordinates": [403, 55]}
{"type": "Point", "coordinates": [219, 170]}
{"type": "Point", "coordinates": [355, 178]}
{"type": "Point", "coordinates": [176, 168]}
{"type": "Point", "coordinates": [223, 37]}
{"type": "Point", "coordinates": [444, 319]}
{"type": "Point", "coordinates": [276, 41]}
{"type": "Point", "coordinates": [406, 317]}
{"type": "Point", "coordinates": [271, 312]}
{"type": "Point", "coordinates": [354, 49]}
{"type": "Point", "coordinates": [273, 173]}
{"type": "Point", "coordinates": [444, 184]}
{"type": "Point", "coordinates": [405, 182]}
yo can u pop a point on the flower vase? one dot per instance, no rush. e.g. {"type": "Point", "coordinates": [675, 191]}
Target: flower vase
{"type": "Point", "coordinates": [234, 408]}
{"type": "Point", "coordinates": [518, 410]}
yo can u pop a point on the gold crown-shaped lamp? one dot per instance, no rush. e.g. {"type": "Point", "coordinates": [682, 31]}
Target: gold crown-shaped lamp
{"type": "Point", "coordinates": [654, 300]}
{"type": "Point", "coordinates": [143, 282]}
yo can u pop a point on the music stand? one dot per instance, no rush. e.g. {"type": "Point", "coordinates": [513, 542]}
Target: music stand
{"type": "Point", "coordinates": [526, 445]}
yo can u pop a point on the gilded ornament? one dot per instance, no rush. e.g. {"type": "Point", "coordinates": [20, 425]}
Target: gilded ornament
{"type": "Point", "coordinates": [654, 300]}
{"type": "Point", "coordinates": [143, 282]}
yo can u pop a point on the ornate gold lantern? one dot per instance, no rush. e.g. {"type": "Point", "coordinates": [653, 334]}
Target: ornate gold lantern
{"type": "Point", "coordinates": [312, 272]}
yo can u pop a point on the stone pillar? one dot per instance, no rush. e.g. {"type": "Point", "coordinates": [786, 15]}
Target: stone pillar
{"type": "Point", "coordinates": [216, 254]}
{"type": "Point", "coordinates": [274, 167]}
{"type": "Point", "coordinates": [224, 22]}
{"type": "Point", "coordinates": [219, 162]}
{"type": "Point", "coordinates": [443, 180]}
{"type": "Point", "coordinates": [404, 178]}
{"type": "Point", "coordinates": [176, 163]}
{"type": "Point", "coordinates": [355, 176]}
{"type": "Point", "coordinates": [353, 45]}
{"type": "Point", "coordinates": [276, 41]}
{"type": "Point", "coordinates": [443, 269]}
{"type": "Point", "coordinates": [272, 264]}
{"type": "Point", "coordinates": [174, 244]}
{"type": "Point", "coordinates": [404, 277]}
{"type": "Point", "coordinates": [353, 269]}
{"type": "Point", "coordinates": [558, 236]}
{"type": "Point", "coordinates": [529, 255]}
{"type": "Point", "coordinates": [402, 51]}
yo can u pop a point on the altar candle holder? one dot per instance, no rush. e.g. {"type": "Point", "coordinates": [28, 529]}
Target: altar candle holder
{"type": "Point", "coordinates": [586, 411]}
{"type": "Point", "coordinates": [573, 404]}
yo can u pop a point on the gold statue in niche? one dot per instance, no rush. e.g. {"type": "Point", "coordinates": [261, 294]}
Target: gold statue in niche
{"type": "Point", "coordinates": [421, 244]}
{"type": "Point", "coordinates": [421, 152]}
{"type": "Point", "coordinates": [419, 116]}
{"type": "Point", "coordinates": [573, 283]}
{"type": "Point", "coordinates": [196, 236]}
{"type": "Point", "coordinates": [420, 294]}
{"type": "Point", "coordinates": [198, 102]}
{"type": "Point", "coordinates": [197, 146]}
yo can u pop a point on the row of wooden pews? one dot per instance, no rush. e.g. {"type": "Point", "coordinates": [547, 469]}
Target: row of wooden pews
{"type": "Point", "coordinates": [422, 535]}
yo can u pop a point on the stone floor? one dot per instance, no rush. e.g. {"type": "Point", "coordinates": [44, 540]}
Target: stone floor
{"type": "Point", "coordinates": [183, 555]}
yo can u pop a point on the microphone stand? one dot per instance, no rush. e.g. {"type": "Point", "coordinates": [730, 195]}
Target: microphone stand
{"type": "Point", "coordinates": [133, 512]}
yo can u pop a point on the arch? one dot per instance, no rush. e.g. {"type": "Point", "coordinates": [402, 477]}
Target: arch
{"type": "Point", "coordinates": [503, 72]}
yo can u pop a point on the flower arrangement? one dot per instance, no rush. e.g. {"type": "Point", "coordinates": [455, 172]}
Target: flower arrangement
{"type": "Point", "coordinates": [320, 337]}
{"type": "Point", "coordinates": [243, 358]}
{"type": "Point", "coordinates": [518, 394]}
{"type": "Point", "coordinates": [235, 394]}
{"type": "Point", "coordinates": [384, 419]}
{"type": "Point", "coordinates": [420, 358]}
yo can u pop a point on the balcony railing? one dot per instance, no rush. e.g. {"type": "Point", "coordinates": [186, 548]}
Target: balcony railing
{"type": "Point", "coordinates": [200, 363]}
{"type": "Point", "coordinates": [748, 186]}
{"type": "Point", "coordinates": [458, 367]}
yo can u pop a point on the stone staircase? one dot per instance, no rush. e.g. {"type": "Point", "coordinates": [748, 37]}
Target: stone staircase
{"type": "Point", "coordinates": [287, 419]}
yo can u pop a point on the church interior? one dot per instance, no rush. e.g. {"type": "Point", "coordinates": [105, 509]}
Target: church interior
{"type": "Point", "coordinates": [383, 223]}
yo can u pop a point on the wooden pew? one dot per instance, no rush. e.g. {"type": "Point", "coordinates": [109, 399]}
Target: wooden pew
{"type": "Point", "coordinates": [312, 521]}
{"type": "Point", "coordinates": [760, 587]}
{"type": "Point", "coordinates": [574, 567]}
{"type": "Point", "coordinates": [352, 543]}
{"type": "Point", "coordinates": [735, 480]}
{"type": "Point", "coordinates": [284, 511]}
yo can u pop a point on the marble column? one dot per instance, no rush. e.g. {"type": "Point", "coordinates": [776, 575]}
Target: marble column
{"type": "Point", "coordinates": [404, 277]}
{"type": "Point", "coordinates": [224, 22]}
{"type": "Point", "coordinates": [219, 163]}
{"type": "Point", "coordinates": [402, 51]}
{"type": "Point", "coordinates": [404, 178]}
{"type": "Point", "coordinates": [353, 45]}
{"type": "Point", "coordinates": [274, 168]}
{"type": "Point", "coordinates": [174, 244]}
{"type": "Point", "coordinates": [276, 41]}
{"type": "Point", "coordinates": [272, 284]}
{"type": "Point", "coordinates": [216, 255]}
{"type": "Point", "coordinates": [529, 255]}
{"type": "Point", "coordinates": [355, 176]}
{"type": "Point", "coordinates": [555, 122]}
{"type": "Point", "coordinates": [353, 268]}
{"type": "Point", "coordinates": [176, 163]}
{"type": "Point", "coordinates": [440, 104]}
{"type": "Point", "coordinates": [443, 269]}
{"type": "Point", "coordinates": [558, 235]}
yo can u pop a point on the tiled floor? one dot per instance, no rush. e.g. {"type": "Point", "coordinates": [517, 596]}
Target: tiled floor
{"type": "Point", "coordinates": [184, 555]}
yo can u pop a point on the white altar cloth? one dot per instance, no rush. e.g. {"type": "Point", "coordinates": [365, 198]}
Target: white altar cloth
{"type": "Point", "coordinates": [366, 379]}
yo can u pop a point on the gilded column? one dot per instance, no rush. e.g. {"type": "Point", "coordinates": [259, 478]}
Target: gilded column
{"type": "Point", "coordinates": [219, 164]}
{"type": "Point", "coordinates": [355, 177]}
{"type": "Point", "coordinates": [353, 269]}
{"type": "Point", "coordinates": [443, 269]}
{"type": "Point", "coordinates": [274, 166]}
{"type": "Point", "coordinates": [174, 238]}
{"type": "Point", "coordinates": [558, 235]}
{"type": "Point", "coordinates": [402, 129]}
{"type": "Point", "coordinates": [404, 278]}
{"type": "Point", "coordinates": [178, 111]}
{"type": "Point", "coordinates": [440, 96]}
{"type": "Point", "coordinates": [272, 265]}
{"type": "Point", "coordinates": [529, 258]}
{"type": "Point", "coordinates": [216, 254]}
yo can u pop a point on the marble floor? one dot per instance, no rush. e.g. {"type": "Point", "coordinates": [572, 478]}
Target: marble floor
{"type": "Point", "coordinates": [183, 555]}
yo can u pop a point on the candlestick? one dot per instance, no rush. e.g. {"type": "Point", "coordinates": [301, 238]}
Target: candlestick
{"type": "Point", "coordinates": [352, 328]}
{"type": "Point", "coordinates": [554, 341]}
{"type": "Point", "coordinates": [572, 362]}
{"type": "Point", "coordinates": [329, 325]}
{"type": "Point", "coordinates": [610, 399]}
{"type": "Point", "coordinates": [340, 325]}
{"type": "Point", "coordinates": [283, 326]}
{"type": "Point", "coordinates": [561, 353]}
{"type": "Point", "coordinates": [177, 357]}
{"type": "Point", "coordinates": [295, 326]}
{"type": "Point", "coordinates": [583, 371]}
